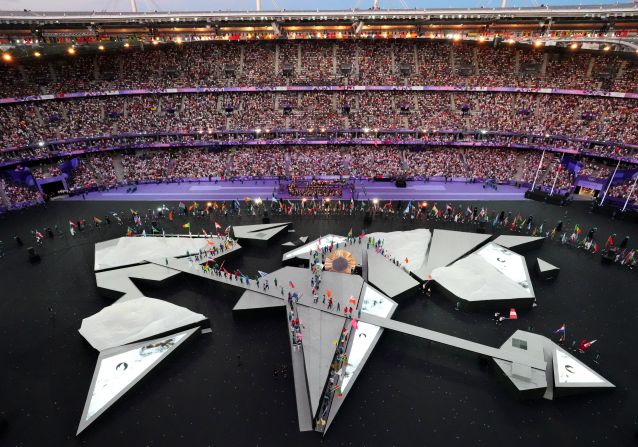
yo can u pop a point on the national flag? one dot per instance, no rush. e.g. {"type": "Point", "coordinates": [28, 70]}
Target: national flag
{"type": "Point", "coordinates": [577, 229]}
{"type": "Point", "coordinates": [143, 233]}
{"type": "Point", "coordinates": [129, 232]}
{"type": "Point", "coordinates": [262, 274]}
{"type": "Point", "coordinates": [352, 300]}
{"type": "Point", "coordinates": [182, 205]}
{"type": "Point", "coordinates": [350, 232]}
{"type": "Point", "coordinates": [204, 232]}
{"type": "Point", "coordinates": [355, 323]}
{"type": "Point", "coordinates": [155, 230]}
{"type": "Point", "coordinates": [434, 211]}
{"type": "Point", "coordinates": [38, 234]}
{"type": "Point", "coordinates": [217, 226]}
{"type": "Point", "coordinates": [73, 224]}
{"type": "Point", "coordinates": [96, 220]}
{"type": "Point", "coordinates": [610, 241]}
{"type": "Point", "coordinates": [227, 230]}
{"type": "Point", "coordinates": [561, 332]}
{"type": "Point", "coordinates": [187, 225]}
{"type": "Point", "coordinates": [406, 260]}
{"type": "Point", "coordinates": [291, 284]}
{"type": "Point", "coordinates": [513, 315]}
{"type": "Point", "coordinates": [584, 344]}
{"type": "Point", "coordinates": [133, 212]}
{"type": "Point", "coordinates": [170, 215]}
{"type": "Point", "coordinates": [408, 208]}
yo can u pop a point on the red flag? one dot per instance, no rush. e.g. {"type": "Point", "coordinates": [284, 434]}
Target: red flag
{"type": "Point", "coordinates": [406, 260]}
{"type": "Point", "coordinates": [170, 216]}
{"type": "Point", "coordinates": [513, 315]}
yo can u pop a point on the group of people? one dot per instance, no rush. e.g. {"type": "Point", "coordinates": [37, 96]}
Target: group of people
{"type": "Point", "coordinates": [313, 62]}
{"type": "Point", "coordinates": [98, 170]}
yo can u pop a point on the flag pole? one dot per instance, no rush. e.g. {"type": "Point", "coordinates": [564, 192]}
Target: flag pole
{"type": "Point", "coordinates": [560, 168]}
{"type": "Point", "coordinates": [633, 187]}
{"type": "Point", "coordinates": [611, 180]}
{"type": "Point", "coordinates": [538, 169]}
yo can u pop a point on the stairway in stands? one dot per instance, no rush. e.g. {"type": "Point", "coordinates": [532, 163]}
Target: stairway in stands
{"type": "Point", "coordinates": [119, 168]}
{"type": "Point", "coordinates": [4, 200]}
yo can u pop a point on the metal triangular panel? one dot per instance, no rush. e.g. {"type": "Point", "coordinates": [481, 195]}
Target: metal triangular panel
{"type": "Point", "coordinates": [448, 246]}
{"type": "Point", "coordinates": [119, 369]}
{"type": "Point", "coordinates": [519, 243]}
{"type": "Point", "coordinates": [256, 300]}
{"type": "Point", "coordinates": [320, 330]}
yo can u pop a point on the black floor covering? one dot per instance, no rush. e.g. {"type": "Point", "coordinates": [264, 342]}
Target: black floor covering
{"type": "Point", "coordinates": [410, 393]}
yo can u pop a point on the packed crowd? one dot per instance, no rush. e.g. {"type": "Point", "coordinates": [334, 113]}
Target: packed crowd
{"type": "Point", "coordinates": [317, 62]}
{"type": "Point", "coordinates": [316, 188]}
{"type": "Point", "coordinates": [38, 125]}
{"type": "Point", "coordinates": [20, 196]}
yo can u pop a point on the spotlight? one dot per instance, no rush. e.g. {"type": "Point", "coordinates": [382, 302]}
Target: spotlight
{"type": "Point", "coordinates": [101, 48]}
{"type": "Point", "coordinates": [481, 39]}
{"type": "Point", "coordinates": [155, 42]}
{"type": "Point", "coordinates": [37, 54]}
{"type": "Point", "coordinates": [209, 204]}
{"type": "Point", "coordinates": [178, 40]}
{"type": "Point", "coordinates": [424, 204]}
{"type": "Point", "coordinates": [538, 43]}
{"type": "Point", "coordinates": [7, 57]}
{"type": "Point", "coordinates": [40, 143]}
{"type": "Point", "coordinates": [574, 46]}
{"type": "Point", "coordinates": [607, 48]}
{"type": "Point", "coordinates": [126, 45]}
{"type": "Point", "coordinates": [375, 201]}
{"type": "Point", "coordinates": [510, 41]}
{"type": "Point", "coordinates": [71, 51]}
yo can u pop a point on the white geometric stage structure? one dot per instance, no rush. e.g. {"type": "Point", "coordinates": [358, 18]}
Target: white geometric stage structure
{"type": "Point", "coordinates": [129, 321]}
{"type": "Point", "coordinates": [464, 264]}
{"type": "Point", "coordinates": [125, 251]}
{"type": "Point", "coordinates": [545, 270]}
{"type": "Point", "coordinates": [259, 234]}
{"type": "Point", "coordinates": [519, 243]}
{"type": "Point", "coordinates": [492, 277]}
{"type": "Point", "coordinates": [446, 247]}
{"type": "Point", "coordinates": [119, 369]}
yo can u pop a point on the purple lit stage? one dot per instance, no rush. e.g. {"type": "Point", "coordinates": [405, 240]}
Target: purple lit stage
{"type": "Point", "coordinates": [364, 190]}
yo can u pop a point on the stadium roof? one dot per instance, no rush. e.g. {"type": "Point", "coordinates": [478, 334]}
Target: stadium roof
{"type": "Point", "coordinates": [558, 14]}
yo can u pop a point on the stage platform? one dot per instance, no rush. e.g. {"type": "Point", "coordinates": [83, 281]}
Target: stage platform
{"type": "Point", "coordinates": [364, 190]}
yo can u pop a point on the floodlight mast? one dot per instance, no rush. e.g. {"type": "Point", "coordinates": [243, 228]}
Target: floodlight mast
{"type": "Point", "coordinates": [133, 5]}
